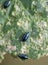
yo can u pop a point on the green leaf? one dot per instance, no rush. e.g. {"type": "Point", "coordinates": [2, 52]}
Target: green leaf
{"type": "Point", "coordinates": [24, 16]}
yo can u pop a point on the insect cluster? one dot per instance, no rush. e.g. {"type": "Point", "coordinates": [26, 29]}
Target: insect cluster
{"type": "Point", "coordinates": [24, 37]}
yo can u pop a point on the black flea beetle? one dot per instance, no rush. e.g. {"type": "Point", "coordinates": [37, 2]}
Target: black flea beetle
{"type": "Point", "coordinates": [23, 56]}
{"type": "Point", "coordinates": [25, 36]}
{"type": "Point", "coordinates": [6, 3]}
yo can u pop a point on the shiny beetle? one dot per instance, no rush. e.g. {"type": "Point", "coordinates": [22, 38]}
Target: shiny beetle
{"type": "Point", "coordinates": [25, 36]}
{"type": "Point", "coordinates": [6, 3]}
{"type": "Point", "coordinates": [23, 56]}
